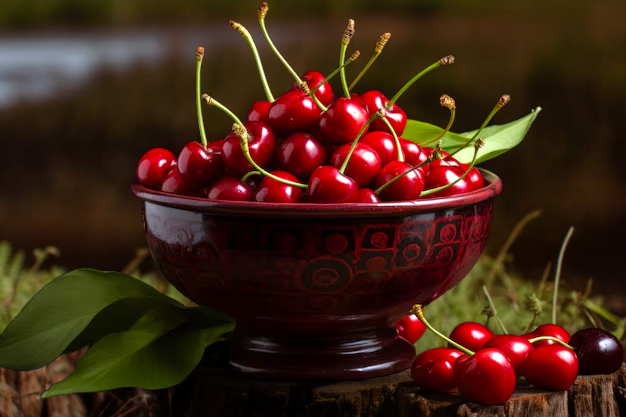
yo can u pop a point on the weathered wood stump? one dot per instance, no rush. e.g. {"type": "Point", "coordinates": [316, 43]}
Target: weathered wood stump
{"type": "Point", "coordinates": [214, 391]}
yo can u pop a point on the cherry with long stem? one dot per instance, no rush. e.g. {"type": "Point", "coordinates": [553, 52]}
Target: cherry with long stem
{"type": "Point", "coordinates": [380, 44]}
{"type": "Point", "coordinates": [345, 40]}
{"type": "Point", "coordinates": [435, 155]}
{"type": "Point", "coordinates": [551, 338]}
{"type": "Point", "coordinates": [501, 103]}
{"type": "Point", "coordinates": [244, 32]}
{"type": "Point", "coordinates": [418, 310]}
{"type": "Point", "coordinates": [446, 60]}
{"type": "Point", "coordinates": [375, 116]}
{"type": "Point", "coordinates": [446, 101]}
{"type": "Point", "coordinates": [199, 57]}
{"type": "Point", "coordinates": [396, 139]}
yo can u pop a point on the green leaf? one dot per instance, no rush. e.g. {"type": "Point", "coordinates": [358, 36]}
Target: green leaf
{"type": "Point", "coordinates": [62, 310]}
{"type": "Point", "coordinates": [498, 139]}
{"type": "Point", "coordinates": [159, 351]}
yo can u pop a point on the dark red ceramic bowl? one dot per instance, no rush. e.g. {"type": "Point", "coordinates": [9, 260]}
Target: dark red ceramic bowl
{"type": "Point", "coordinates": [316, 289]}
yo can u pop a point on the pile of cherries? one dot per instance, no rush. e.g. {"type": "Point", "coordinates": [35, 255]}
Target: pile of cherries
{"type": "Point", "coordinates": [484, 367]}
{"type": "Point", "coordinates": [309, 145]}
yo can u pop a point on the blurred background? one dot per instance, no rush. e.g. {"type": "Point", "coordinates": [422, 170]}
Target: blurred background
{"type": "Point", "coordinates": [86, 87]}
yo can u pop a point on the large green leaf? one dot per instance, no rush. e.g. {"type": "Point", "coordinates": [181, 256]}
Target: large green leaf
{"type": "Point", "coordinates": [63, 309]}
{"type": "Point", "coordinates": [498, 139]}
{"type": "Point", "coordinates": [157, 352]}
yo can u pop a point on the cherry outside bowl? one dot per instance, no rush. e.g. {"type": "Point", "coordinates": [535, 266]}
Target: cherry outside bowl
{"type": "Point", "coordinates": [316, 289]}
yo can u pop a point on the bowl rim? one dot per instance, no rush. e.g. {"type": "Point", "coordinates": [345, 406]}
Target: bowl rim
{"type": "Point", "coordinates": [493, 187]}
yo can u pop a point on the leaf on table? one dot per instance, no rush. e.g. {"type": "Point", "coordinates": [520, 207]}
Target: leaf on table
{"type": "Point", "coordinates": [157, 352]}
{"type": "Point", "coordinates": [498, 139]}
{"type": "Point", "coordinates": [63, 309]}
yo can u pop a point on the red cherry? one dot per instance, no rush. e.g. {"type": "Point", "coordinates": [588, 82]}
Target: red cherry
{"type": "Point", "coordinates": [328, 185]}
{"type": "Point", "coordinates": [358, 100]}
{"type": "Point", "coordinates": [153, 167]}
{"type": "Point", "coordinates": [549, 330]}
{"type": "Point", "coordinates": [432, 369]}
{"type": "Point", "coordinates": [261, 143]}
{"type": "Point", "coordinates": [199, 167]}
{"type": "Point", "coordinates": [487, 377]}
{"type": "Point", "coordinates": [516, 348]}
{"type": "Point", "coordinates": [384, 145]}
{"type": "Point", "coordinates": [274, 191]}
{"type": "Point", "coordinates": [292, 112]}
{"type": "Point", "coordinates": [367, 195]}
{"type": "Point", "coordinates": [173, 183]}
{"type": "Point", "coordinates": [471, 335]}
{"type": "Point", "coordinates": [300, 154]}
{"type": "Point", "coordinates": [413, 154]}
{"type": "Point", "coordinates": [343, 120]}
{"type": "Point", "coordinates": [474, 177]}
{"type": "Point", "coordinates": [363, 166]}
{"type": "Point", "coordinates": [229, 188]}
{"type": "Point", "coordinates": [259, 111]}
{"type": "Point", "coordinates": [598, 351]}
{"type": "Point", "coordinates": [408, 187]}
{"type": "Point", "coordinates": [216, 145]}
{"type": "Point", "coordinates": [374, 101]}
{"type": "Point", "coordinates": [551, 367]}
{"type": "Point", "coordinates": [410, 328]}
{"type": "Point", "coordinates": [313, 78]}
{"type": "Point", "coordinates": [443, 174]}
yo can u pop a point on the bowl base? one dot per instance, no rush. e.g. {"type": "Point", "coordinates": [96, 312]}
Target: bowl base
{"type": "Point", "coordinates": [367, 354]}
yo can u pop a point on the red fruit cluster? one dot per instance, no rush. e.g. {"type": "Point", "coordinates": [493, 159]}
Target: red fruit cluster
{"type": "Point", "coordinates": [293, 139]}
{"type": "Point", "coordinates": [489, 375]}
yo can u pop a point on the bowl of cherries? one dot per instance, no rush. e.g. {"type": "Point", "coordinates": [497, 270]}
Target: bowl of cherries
{"type": "Point", "coordinates": [315, 224]}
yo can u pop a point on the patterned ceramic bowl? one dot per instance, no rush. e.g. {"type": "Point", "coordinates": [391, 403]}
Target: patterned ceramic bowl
{"type": "Point", "coordinates": [316, 289]}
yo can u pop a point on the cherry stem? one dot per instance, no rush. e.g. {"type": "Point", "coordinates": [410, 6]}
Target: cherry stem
{"type": "Point", "coordinates": [241, 132]}
{"type": "Point", "coordinates": [244, 32]}
{"type": "Point", "coordinates": [479, 144]}
{"type": "Point", "coordinates": [250, 174]}
{"type": "Point", "coordinates": [413, 168]}
{"type": "Point", "coordinates": [350, 60]}
{"type": "Point", "coordinates": [446, 101]}
{"type": "Point", "coordinates": [263, 9]}
{"type": "Point", "coordinates": [418, 310]}
{"type": "Point", "coordinates": [373, 117]}
{"type": "Point", "coordinates": [494, 311]}
{"type": "Point", "coordinates": [447, 60]}
{"type": "Point", "coordinates": [554, 339]}
{"type": "Point", "coordinates": [557, 274]}
{"type": "Point", "coordinates": [501, 103]}
{"type": "Point", "coordinates": [212, 102]}
{"type": "Point", "coordinates": [199, 56]}
{"type": "Point", "coordinates": [380, 44]}
{"type": "Point", "coordinates": [345, 40]}
{"type": "Point", "coordinates": [395, 138]}
{"type": "Point", "coordinates": [305, 87]}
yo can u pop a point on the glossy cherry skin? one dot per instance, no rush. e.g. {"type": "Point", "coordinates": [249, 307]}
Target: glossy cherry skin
{"type": "Point", "coordinates": [549, 330]}
{"type": "Point", "coordinates": [300, 154]}
{"type": "Point", "coordinates": [384, 145]}
{"type": "Point", "coordinates": [259, 111]}
{"type": "Point", "coordinates": [367, 195]}
{"type": "Point", "coordinates": [516, 348]}
{"type": "Point", "coordinates": [173, 183]}
{"type": "Point", "coordinates": [408, 187]}
{"type": "Point", "coordinates": [410, 328]}
{"type": "Point", "coordinates": [413, 154]}
{"type": "Point", "coordinates": [598, 351]}
{"type": "Point", "coordinates": [363, 166]}
{"type": "Point", "coordinates": [274, 191]}
{"type": "Point", "coordinates": [200, 167]}
{"type": "Point", "coordinates": [231, 189]}
{"type": "Point", "coordinates": [153, 167]}
{"type": "Point", "coordinates": [343, 121]}
{"type": "Point", "coordinates": [292, 112]}
{"type": "Point", "coordinates": [328, 185]}
{"type": "Point", "coordinates": [474, 177]}
{"type": "Point", "coordinates": [432, 370]}
{"type": "Point", "coordinates": [552, 367]}
{"type": "Point", "coordinates": [471, 335]}
{"type": "Point", "coordinates": [374, 101]}
{"type": "Point", "coordinates": [313, 78]}
{"type": "Point", "coordinates": [261, 143]}
{"type": "Point", "coordinates": [487, 377]}
{"type": "Point", "coordinates": [440, 175]}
